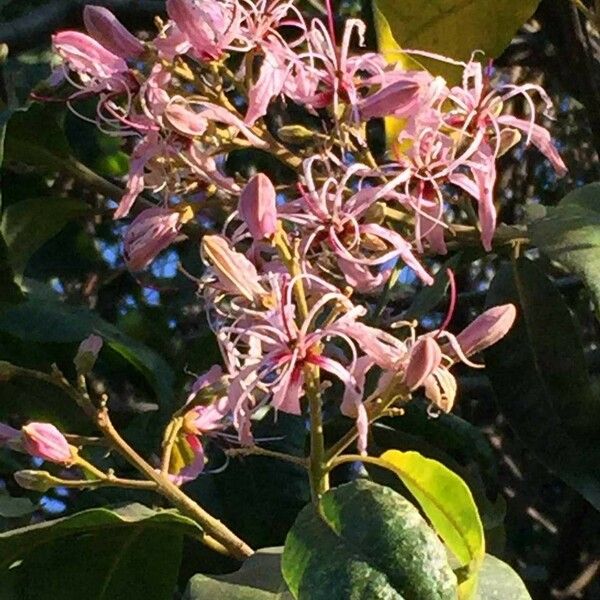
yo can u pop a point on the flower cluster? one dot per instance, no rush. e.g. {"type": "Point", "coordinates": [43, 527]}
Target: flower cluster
{"type": "Point", "coordinates": [291, 273]}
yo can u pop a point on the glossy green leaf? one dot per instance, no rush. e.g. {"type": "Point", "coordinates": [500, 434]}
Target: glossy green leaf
{"type": "Point", "coordinates": [448, 503]}
{"type": "Point", "coordinates": [132, 552]}
{"type": "Point", "coordinates": [497, 581]}
{"type": "Point", "coordinates": [538, 374]}
{"type": "Point", "coordinates": [570, 234]}
{"type": "Point", "coordinates": [368, 542]}
{"type": "Point", "coordinates": [259, 579]}
{"type": "Point", "coordinates": [28, 224]}
{"type": "Point", "coordinates": [453, 28]}
{"type": "Point", "coordinates": [456, 443]}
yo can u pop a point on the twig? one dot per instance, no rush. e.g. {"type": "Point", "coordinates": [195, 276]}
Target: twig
{"type": "Point", "coordinates": [257, 451]}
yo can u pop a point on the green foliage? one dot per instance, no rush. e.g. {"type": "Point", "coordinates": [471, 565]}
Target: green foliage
{"type": "Point", "coordinates": [448, 504]}
{"type": "Point", "coordinates": [129, 553]}
{"type": "Point", "coordinates": [28, 224]}
{"type": "Point", "coordinates": [452, 28]}
{"type": "Point", "coordinates": [365, 542]}
{"type": "Point", "coordinates": [570, 234]}
{"type": "Point", "coordinates": [539, 376]}
{"type": "Point", "coordinates": [498, 581]}
{"type": "Point", "coordinates": [259, 579]}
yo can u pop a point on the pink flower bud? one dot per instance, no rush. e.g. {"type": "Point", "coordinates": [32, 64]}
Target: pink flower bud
{"type": "Point", "coordinates": [105, 28]}
{"type": "Point", "coordinates": [425, 357]}
{"type": "Point", "coordinates": [45, 441]}
{"type": "Point", "coordinates": [258, 207]}
{"type": "Point", "coordinates": [488, 328]}
{"type": "Point", "coordinates": [150, 232]}
{"type": "Point", "coordinates": [84, 54]}
{"type": "Point", "coordinates": [87, 353]}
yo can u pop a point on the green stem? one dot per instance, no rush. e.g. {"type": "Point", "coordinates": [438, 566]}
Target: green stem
{"type": "Point", "coordinates": [318, 471]}
{"type": "Point", "coordinates": [376, 408]}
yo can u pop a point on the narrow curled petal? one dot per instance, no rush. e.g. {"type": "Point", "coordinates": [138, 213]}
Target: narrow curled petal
{"type": "Point", "coordinates": [45, 441]}
{"type": "Point", "coordinates": [104, 27]}
{"type": "Point", "coordinates": [84, 54]}
{"type": "Point", "coordinates": [540, 138]}
{"type": "Point", "coordinates": [488, 328]}
{"type": "Point", "coordinates": [425, 357]}
{"type": "Point", "coordinates": [150, 233]}
{"type": "Point", "coordinates": [233, 270]}
{"type": "Point", "coordinates": [258, 206]}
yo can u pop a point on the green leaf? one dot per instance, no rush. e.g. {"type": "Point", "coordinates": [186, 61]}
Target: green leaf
{"type": "Point", "coordinates": [538, 374]}
{"type": "Point", "coordinates": [34, 137]}
{"type": "Point", "coordinates": [11, 507]}
{"type": "Point", "coordinates": [259, 579]}
{"type": "Point", "coordinates": [570, 234]}
{"type": "Point", "coordinates": [448, 503]}
{"type": "Point", "coordinates": [453, 28]}
{"type": "Point", "coordinates": [456, 443]}
{"type": "Point", "coordinates": [497, 581]}
{"type": "Point", "coordinates": [9, 290]}
{"type": "Point", "coordinates": [28, 224]}
{"type": "Point", "coordinates": [99, 554]}
{"type": "Point", "coordinates": [52, 321]}
{"type": "Point", "coordinates": [365, 541]}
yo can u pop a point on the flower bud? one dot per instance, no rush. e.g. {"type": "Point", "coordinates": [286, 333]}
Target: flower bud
{"type": "Point", "coordinates": [7, 370]}
{"type": "Point", "coordinates": [105, 28]}
{"type": "Point", "coordinates": [37, 481]}
{"type": "Point", "coordinates": [87, 353]}
{"type": "Point", "coordinates": [233, 270]}
{"type": "Point", "coordinates": [488, 328]}
{"type": "Point", "coordinates": [425, 357]}
{"type": "Point", "coordinates": [296, 134]}
{"type": "Point", "coordinates": [258, 207]}
{"type": "Point", "coordinates": [45, 441]}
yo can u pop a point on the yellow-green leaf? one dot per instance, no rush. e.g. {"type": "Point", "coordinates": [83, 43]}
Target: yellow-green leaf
{"type": "Point", "coordinates": [448, 503]}
{"type": "Point", "coordinates": [453, 28]}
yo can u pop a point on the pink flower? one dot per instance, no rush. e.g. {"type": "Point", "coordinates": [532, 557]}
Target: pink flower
{"type": "Point", "coordinates": [105, 28]}
{"type": "Point", "coordinates": [45, 441]}
{"type": "Point", "coordinates": [85, 55]}
{"type": "Point", "coordinates": [150, 233]}
{"type": "Point", "coordinates": [209, 26]}
{"type": "Point", "coordinates": [359, 246]}
{"type": "Point", "coordinates": [258, 208]}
